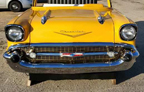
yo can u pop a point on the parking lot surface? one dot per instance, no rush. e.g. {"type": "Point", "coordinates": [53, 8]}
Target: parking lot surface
{"type": "Point", "coordinates": [128, 81]}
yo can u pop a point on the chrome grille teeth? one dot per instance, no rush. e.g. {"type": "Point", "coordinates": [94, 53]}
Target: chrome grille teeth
{"type": "Point", "coordinates": [73, 49]}
{"type": "Point", "coordinates": [70, 49]}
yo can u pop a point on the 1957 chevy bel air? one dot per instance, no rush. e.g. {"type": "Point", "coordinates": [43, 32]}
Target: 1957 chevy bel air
{"type": "Point", "coordinates": [71, 36]}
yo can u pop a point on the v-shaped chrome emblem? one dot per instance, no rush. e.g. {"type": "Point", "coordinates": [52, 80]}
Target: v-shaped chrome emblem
{"type": "Point", "coordinates": [73, 33]}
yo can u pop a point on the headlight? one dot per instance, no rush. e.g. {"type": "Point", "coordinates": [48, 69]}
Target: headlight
{"type": "Point", "coordinates": [14, 33]}
{"type": "Point", "coordinates": [128, 32]}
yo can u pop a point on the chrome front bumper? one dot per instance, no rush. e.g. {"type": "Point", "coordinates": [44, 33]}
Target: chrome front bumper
{"type": "Point", "coordinates": [119, 65]}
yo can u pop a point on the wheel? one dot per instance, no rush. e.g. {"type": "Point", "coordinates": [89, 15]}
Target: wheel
{"type": "Point", "coordinates": [15, 6]}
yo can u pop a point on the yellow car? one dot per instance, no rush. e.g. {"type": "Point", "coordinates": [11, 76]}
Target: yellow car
{"type": "Point", "coordinates": [71, 36]}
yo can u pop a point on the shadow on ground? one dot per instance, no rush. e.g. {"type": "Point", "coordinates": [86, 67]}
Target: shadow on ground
{"type": "Point", "coordinates": [138, 66]}
{"type": "Point", "coordinates": [38, 78]}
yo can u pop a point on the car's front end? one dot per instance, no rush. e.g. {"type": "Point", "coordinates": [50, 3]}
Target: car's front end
{"type": "Point", "coordinates": [89, 57]}
{"type": "Point", "coordinates": [71, 39]}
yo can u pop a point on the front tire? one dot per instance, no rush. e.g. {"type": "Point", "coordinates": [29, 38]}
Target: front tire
{"type": "Point", "coordinates": [15, 6]}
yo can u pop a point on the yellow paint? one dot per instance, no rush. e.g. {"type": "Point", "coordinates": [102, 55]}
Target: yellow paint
{"type": "Point", "coordinates": [120, 20]}
{"type": "Point", "coordinates": [109, 3]}
{"type": "Point", "coordinates": [71, 24]}
{"type": "Point", "coordinates": [34, 3]}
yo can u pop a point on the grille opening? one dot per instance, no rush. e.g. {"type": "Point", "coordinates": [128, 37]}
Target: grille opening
{"type": "Point", "coordinates": [74, 49]}
{"type": "Point", "coordinates": [75, 60]}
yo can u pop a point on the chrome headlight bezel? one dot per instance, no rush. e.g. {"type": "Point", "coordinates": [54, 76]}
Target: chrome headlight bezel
{"type": "Point", "coordinates": [126, 25]}
{"type": "Point", "coordinates": [12, 26]}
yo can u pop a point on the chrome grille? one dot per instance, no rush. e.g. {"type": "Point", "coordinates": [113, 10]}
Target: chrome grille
{"type": "Point", "coordinates": [72, 1]}
{"type": "Point", "coordinates": [74, 60]}
{"type": "Point", "coordinates": [74, 49]}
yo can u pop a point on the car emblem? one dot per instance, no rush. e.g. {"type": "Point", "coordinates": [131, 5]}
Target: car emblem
{"type": "Point", "coordinates": [72, 33]}
{"type": "Point", "coordinates": [71, 54]}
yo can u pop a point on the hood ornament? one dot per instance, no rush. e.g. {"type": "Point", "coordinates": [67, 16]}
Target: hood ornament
{"type": "Point", "coordinates": [101, 19]}
{"type": "Point", "coordinates": [46, 16]}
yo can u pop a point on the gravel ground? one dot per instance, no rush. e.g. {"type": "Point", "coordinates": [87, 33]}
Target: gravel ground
{"type": "Point", "coordinates": [128, 81]}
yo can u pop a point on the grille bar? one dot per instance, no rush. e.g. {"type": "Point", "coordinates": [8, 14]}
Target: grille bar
{"type": "Point", "coordinates": [57, 48]}
{"type": "Point", "coordinates": [72, 1]}
{"type": "Point", "coordinates": [74, 60]}
{"type": "Point", "coordinates": [74, 49]}
{"type": "Point", "coordinates": [84, 54]}
{"type": "Point", "coordinates": [91, 54]}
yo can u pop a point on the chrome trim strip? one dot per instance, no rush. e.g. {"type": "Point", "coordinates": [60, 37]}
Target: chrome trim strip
{"type": "Point", "coordinates": [95, 53]}
{"type": "Point", "coordinates": [48, 54]}
{"type": "Point", "coordinates": [70, 44]}
{"type": "Point", "coordinates": [84, 54]}
{"type": "Point", "coordinates": [135, 25]}
{"type": "Point", "coordinates": [86, 65]}
{"type": "Point", "coordinates": [61, 44]}
{"type": "Point", "coordinates": [7, 56]}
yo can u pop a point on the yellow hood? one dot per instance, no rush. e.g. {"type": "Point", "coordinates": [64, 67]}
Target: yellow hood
{"type": "Point", "coordinates": [71, 26]}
